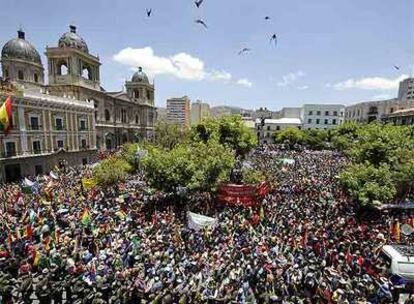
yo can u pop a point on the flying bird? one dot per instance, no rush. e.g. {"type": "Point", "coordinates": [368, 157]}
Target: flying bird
{"type": "Point", "coordinates": [396, 67]}
{"type": "Point", "coordinates": [245, 50]}
{"type": "Point", "coordinates": [199, 21]}
{"type": "Point", "coordinates": [198, 3]}
{"type": "Point", "coordinates": [273, 38]}
{"type": "Point", "coordinates": [149, 11]}
{"type": "Point", "coordinates": [267, 18]}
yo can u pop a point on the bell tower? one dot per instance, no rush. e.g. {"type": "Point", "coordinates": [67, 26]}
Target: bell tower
{"type": "Point", "coordinates": [71, 64]}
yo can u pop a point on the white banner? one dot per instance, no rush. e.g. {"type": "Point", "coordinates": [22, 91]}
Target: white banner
{"type": "Point", "coordinates": [198, 221]}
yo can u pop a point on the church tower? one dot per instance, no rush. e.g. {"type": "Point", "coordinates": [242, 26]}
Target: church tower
{"type": "Point", "coordinates": [71, 64]}
{"type": "Point", "coordinates": [21, 62]}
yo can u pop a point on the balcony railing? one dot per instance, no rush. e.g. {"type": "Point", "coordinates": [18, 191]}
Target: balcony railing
{"type": "Point", "coordinates": [9, 154]}
{"type": "Point", "coordinates": [83, 129]}
{"type": "Point", "coordinates": [35, 127]}
{"type": "Point", "coordinates": [60, 128]}
{"type": "Point", "coordinates": [37, 151]}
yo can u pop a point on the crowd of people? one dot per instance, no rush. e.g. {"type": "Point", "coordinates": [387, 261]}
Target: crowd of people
{"type": "Point", "coordinates": [61, 242]}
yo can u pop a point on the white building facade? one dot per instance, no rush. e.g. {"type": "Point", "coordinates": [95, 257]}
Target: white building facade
{"type": "Point", "coordinates": [322, 116]}
{"type": "Point", "coordinates": [266, 128]}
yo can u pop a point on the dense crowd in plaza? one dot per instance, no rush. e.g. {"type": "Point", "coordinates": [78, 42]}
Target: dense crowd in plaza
{"type": "Point", "coordinates": [63, 243]}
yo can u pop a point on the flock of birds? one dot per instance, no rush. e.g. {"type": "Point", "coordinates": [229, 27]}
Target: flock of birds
{"type": "Point", "coordinates": [198, 3]}
{"type": "Point", "coordinates": [273, 38]}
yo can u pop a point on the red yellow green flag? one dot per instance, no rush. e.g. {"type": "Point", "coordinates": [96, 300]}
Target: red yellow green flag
{"type": "Point", "coordinates": [6, 115]}
{"type": "Point", "coordinates": [86, 217]}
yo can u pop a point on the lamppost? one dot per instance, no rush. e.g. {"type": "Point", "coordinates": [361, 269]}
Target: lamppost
{"type": "Point", "coordinates": [139, 155]}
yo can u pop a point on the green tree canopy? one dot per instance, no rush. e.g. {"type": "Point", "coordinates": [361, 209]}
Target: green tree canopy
{"type": "Point", "coordinates": [290, 136]}
{"type": "Point", "coordinates": [228, 130]}
{"type": "Point", "coordinates": [199, 166]}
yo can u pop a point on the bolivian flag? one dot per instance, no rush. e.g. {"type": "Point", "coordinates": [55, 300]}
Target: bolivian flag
{"type": "Point", "coordinates": [6, 115]}
{"type": "Point", "coordinates": [86, 217]}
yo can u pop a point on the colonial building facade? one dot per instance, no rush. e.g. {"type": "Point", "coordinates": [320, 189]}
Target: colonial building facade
{"type": "Point", "coordinates": [72, 116]}
{"type": "Point", "coordinates": [378, 110]}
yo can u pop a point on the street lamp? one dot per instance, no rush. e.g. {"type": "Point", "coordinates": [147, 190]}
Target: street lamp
{"type": "Point", "coordinates": [139, 155]}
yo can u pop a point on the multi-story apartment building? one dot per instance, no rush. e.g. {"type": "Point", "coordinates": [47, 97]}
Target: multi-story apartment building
{"type": "Point", "coordinates": [265, 128]}
{"type": "Point", "coordinates": [70, 117]}
{"type": "Point", "coordinates": [179, 111]}
{"type": "Point", "coordinates": [199, 111]}
{"type": "Point", "coordinates": [322, 116]}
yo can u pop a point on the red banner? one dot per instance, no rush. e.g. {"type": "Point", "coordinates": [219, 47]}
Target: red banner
{"type": "Point", "coordinates": [241, 195]}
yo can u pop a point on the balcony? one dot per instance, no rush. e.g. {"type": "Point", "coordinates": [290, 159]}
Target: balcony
{"type": "Point", "coordinates": [9, 153]}
{"type": "Point", "coordinates": [60, 128]}
{"type": "Point", "coordinates": [37, 151]}
{"type": "Point", "coordinates": [35, 127]}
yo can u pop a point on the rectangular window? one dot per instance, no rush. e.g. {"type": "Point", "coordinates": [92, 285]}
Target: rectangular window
{"type": "Point", "coordinates": [334, 121]}
{"type": "Point", "coordinates": [82, 126]}
{"type": "Point", "coordinates": [83, 143]}
{"type": "Point", "coordinates": [326, 113]}
{"type": "Point", "coordinates": [268, 128]}
{"type": "Point", "coordinates": [318, 121]}
{"type": "Point", "coordinates": [309, 121]}
{"type": "Point", "coordinates": [310, 112]}
{"type": "Point", "coordinates": [34, 123]}
{"type": "Point", "coordinates": [326, 121]}
{"type": "Point", "coordinates": [36, 147]}
{"type": "Point", "coordinates": [278, 128]}
{"type": "Point", "coordinates": [342, 114]}
{"type": "Point", "coordinates": [335, 113]}
{"type": "Point", "coordinates": [59, 124]}
{"type": "Point", "coordinates": [10, 148]}
{"type": "Point", "coordinates": [60, 144]}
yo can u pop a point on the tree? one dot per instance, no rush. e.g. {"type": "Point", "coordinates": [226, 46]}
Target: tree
{"type": "Point", "coordinates": [291, 136]}
{"type": "Point", "coordinates": [168, 136]}
{"type": "Point", "coordinates": [198, 166]}
{"type": "Point", "coordinates": [112, 170]}
{"type": "Point", "coordinates": [228, 130]}
{"type": "Point", "coordinates": [369, 184]}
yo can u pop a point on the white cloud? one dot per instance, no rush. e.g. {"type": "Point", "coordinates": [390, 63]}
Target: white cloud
{"type": "Point", "coordinates": [370, 83]}
{"type": "Point", "coordinates": [182, 65]}
{"type": "Point", "coordinates": [304, 87]}
{"type": "Point", "coordinates": [381, 97]}
{"type": "Point", "coordinates": [290, 78]}
{"type": "Point", "coordinates": [220, 75]}
{"type": "Point", "coordinates": [245, 82]}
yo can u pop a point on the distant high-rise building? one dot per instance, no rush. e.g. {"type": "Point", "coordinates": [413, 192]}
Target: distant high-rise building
{"type": "Point", "coordinates": [199, 111]}
{"type": "Point", "coordinates": [406, 89]}
{"type": "Point", "coordinates": [179, 111]}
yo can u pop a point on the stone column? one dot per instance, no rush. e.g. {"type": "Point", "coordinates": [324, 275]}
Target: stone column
{"type": "Point", "coordinates": [76, 130]}
{"type": "Point", "coordinates": [68, 131]}
{"type": "Point", "coordinates": [50, 129]}
{"type": "Point", "coordinates": [22, 127]}
{"type": "Point", "coordinates": [48, 146]}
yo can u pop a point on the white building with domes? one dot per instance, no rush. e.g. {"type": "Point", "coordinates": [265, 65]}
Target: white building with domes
{"type": "Point", "coordinates": [71, 117]}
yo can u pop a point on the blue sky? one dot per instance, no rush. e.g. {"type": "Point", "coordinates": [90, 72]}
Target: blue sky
{"type": "Point", "coordinates": [329, 51]}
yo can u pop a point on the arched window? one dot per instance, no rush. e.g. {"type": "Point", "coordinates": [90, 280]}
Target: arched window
{"type": "Point", "coordinates": [136, 93]}
{"type": "Point", "coordinates": [36, 78]}
{"type": "Point", "coordinates": [20, 75]}
{"type": "Point", "coordinates": [63, 68]}
{"type": "Point", "coordinates": [87, 73]}
{"type": "Point", "coordinates": [136, 119]}
{"type": "Point", "coordinates": [373, 110]}
{"type": "Point", "coordinates": [107, 115]}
